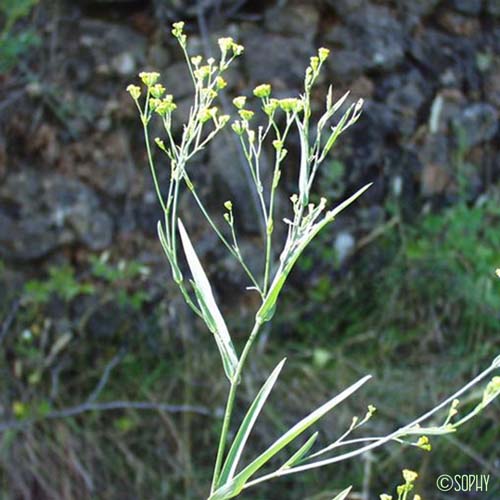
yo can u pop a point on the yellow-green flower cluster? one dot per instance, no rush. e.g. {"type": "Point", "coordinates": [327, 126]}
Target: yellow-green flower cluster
{"type": "Point", "coordinates": [271, 106]}
{"type": "Point", "coordinates": [410, 477]}
{"type": "Point", "coordinates": [291, 105]}
{"type": "Point", "coordinates": [423, 443]}
{"type": "Point", "coordinates": [239, 127]}
{"type": "Point", "coordinates": [208, 113]}
{"type": "Point", "coordinates": [158, 101]}
{"type": "Point", "coordinates": [239, 102]}
{"type": "Point", "coordinates": [165, 106]}
{"type": "Point", "coordinates": [323, 54]}
{"type": "Point", "coordinates": [246, 114]}
{"type": "Point", "coordinates": [314, 68]}
{"type": "Point", "coordinates": [178, 32]}
{"type": "Point", "coordinates": [134, 91]}
{"type": "Point", "coordinates": [262, 91]}
{"type": "Point", "coordinates": [228, 47]}
{"type": "Point", "coordinates": [149, 78]}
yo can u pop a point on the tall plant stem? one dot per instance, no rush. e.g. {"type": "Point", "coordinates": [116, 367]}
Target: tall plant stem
{"type": "Point", "coordinates": [230, 404]}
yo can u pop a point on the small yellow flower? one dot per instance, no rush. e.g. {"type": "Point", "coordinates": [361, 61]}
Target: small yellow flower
{"type": "Point", "coordinates": [237, 49]}
{"type": "Point", "coordinates": [160, 143]}
{"type": "Point", "coordinates": [424, 444]}
{"type": "Point", "coordinates": [202, 72]}
{"type": "Point", "coordinates": [409, 475]}
{"type": "Point", "coordinates": [278, 145]}
{"type": "Point", "coordinates": [271, 106]}
{"type": "Point", "coordinates": [157, 90]}
{"type": "Point", "coordinates": [385, 497]}
{"type": "Point", "coordinates": [220, 83]}
{"type": "Point", "coordinates": [262, 91]}
{"type": "Point", "coordinates": [149, 78]}
{"type": "Point", "coordinates": [196, 60]}
{"type": "Point", "coordinates": [166, 105]}
{"type": "Point", "coordinates": [207, 114]}
{"type": "Point", "coordinates": [290, 104]}
{"type": "Point", "coordinates": [240, 101]}
{"type": "Point", "coordinates": [223, 119]}
{"type": "Point", "coordinates": [225, 44]}
{"type": "Point", "coordinates": [246, 114]}
{"type": "Point", "coordinates": [154, 103]}
{"type": "Point", "coordinates": [228, 205]}
{"type": "Point", "coordinates": [323, 53]}
{"type": "Point", "coordinates": [177, 28]}
{"type": "Point", "coordinates": [314, 62]}
{"type": "Point", "coordinates": [237, 127]}
{"type": "Point", "coordinates": [134, 91]}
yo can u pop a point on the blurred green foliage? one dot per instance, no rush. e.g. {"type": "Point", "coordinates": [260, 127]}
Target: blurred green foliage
{"type": "Point", "coordinates": [13, 43]}
{"type": "Point", "coordinates": [61, 282]}
{"type": "Point", "coordinates": [435, 275]}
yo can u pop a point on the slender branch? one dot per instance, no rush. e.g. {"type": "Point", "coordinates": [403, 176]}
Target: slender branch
{"type": "Point", "coordinates": [108, 406]}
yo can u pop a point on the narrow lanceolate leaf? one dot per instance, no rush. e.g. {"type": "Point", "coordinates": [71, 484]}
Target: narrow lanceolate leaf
{"type": "Point", "coordinates": [233, 487]}
{"type": "Point", "coordinates": [343, 494]}
{"type": "Point", "coordinates": [211, 314]}
{"type": "Point", "coordinates": [267, 308]}
{"type": "Point", "coordinates": [300, 453]}
{"type": "Point", "coordinates": [246, 426]}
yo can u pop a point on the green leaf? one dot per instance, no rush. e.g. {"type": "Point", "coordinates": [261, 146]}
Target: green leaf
{"type": "Point", "coordinates": [266, 310]}
{"type": "Point", "coordinates": [234, 487]}
{"type": "Point", "coordinates": [300, 453]}
{"type": "Point", "coordinates": [246, 426]}
{"type": "Point", "coordinates": [212, 315]}
{"type": "Point", "coordinates": [343, 494]}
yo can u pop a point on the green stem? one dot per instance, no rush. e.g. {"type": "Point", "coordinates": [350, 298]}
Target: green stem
{"type": "Point", "coordinates": [152, 168]}
{"type": "Point", "coordinates": [220, 235]}
{"type": "Point", "coordinates": [230, 404]}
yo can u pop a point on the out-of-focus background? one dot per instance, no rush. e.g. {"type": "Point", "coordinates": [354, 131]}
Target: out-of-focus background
{"type": "Point", "coordinates": [109, 389]}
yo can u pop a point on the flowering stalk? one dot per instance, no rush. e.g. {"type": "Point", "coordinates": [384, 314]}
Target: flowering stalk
{"type": "Point", "coordinates": [307, 220]}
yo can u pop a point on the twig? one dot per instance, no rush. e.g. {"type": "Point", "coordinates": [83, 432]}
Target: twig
{"type": "Point", "coordinates": [105, 376]}
{"type": "Point", "coordinates": [111, 405]}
